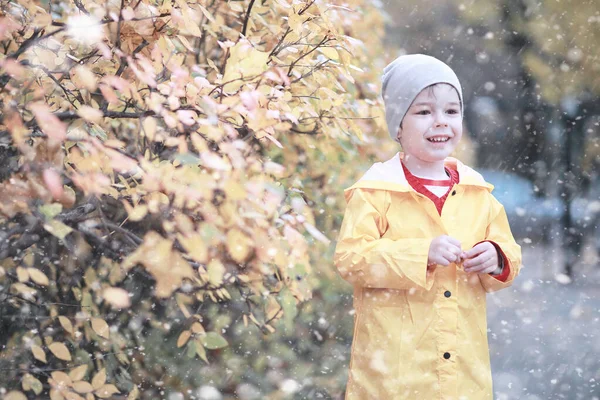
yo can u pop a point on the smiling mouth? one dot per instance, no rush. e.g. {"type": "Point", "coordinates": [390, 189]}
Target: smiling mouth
{"type": "Point", "coordinates": [438, 139]}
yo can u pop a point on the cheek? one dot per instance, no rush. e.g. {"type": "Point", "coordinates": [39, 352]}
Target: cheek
{"type": "Point", "coordinates": [458, 130]}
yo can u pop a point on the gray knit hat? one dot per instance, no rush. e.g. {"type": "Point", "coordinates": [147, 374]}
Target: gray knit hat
{"type": "Point", "coordinates": [404, 78]}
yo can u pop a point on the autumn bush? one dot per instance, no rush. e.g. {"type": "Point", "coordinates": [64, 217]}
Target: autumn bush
{"type": "Point", "coordinates": [171, 180]}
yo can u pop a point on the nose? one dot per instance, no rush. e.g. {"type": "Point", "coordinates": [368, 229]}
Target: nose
{"type": "Point", "coordinates": [440, 120]}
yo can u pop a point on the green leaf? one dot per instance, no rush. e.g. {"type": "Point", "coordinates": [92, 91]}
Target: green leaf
{"type": "Point", "coordinates": [51, 210]}
{"type": "Point", "coordinates": [288, 303]}
{"type": "Point", "coordinates": [98, 132]}
{"type": "Point", "coordinates": [201, 351]}
{"type": "Point", "coordinates": [191, 349]}
{"type": "Point", "coordinates": [187, 158]}
{"type": "Point", "coordinates": [213, 341]}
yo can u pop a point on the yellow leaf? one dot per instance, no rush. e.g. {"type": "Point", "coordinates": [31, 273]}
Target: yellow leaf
{"type": "Point", "coordinates": [182, 300]}
{"type": "Point", "coordinates": [23, 289]}
{"type": "Point", "coordinates": [66, 324]}
{"type": "Point", "coordinates": [100, 327]}
{"type": "Point", "coordinates": [215, 270]}
{"type": "Point", "coordinates": [32, 383]}
{"type": "Point", "coordinates": [166, 265]}
{"type": "Point", "coordinates": [295, 22]}
{"type": "Point", "coordinates": [60, 379]}
{"type": "Point", "coordinates": [38, 276]}
{"type": "Point", "coordinates": [234, 190]}
{"type": "Point", "coordinates": [60, 351]}
{"type": "Point", "coordinates": [183, 338]}
{"type": "Point", "coordinates": [78, 373]}
{"type": "Point", "coordinates": [138, 212]}
{"type": "Point", "coordinates": [38, 353]}
{"type": "Point", "coordinates": [149, 127]}
{"type": "Point", "coordinates": [83, 387]}
{"type": "Point", "coordinates": [206, 13]}
{"type": "Point", "coordinates": [106, 391]}
{"type": "Point", "coordinates": [90, 114]}
{"type": "Point", "coordinates": [197, 328]}
{"type": "Point", "coordinates": [253, 319]}
{"type": "Point", "coordinates": [244, 60]}
{"type": "Point", "coordinates": [22, 274]}
{"type": "Point", "coordinates": [55, 395]}
{"type": "Point", "coordinates": [72, 396]}
{"type": "Point", "coordinates": [83, 78]}
{"type": "Point", "coordinates": [195, 246]}
{"type": "Point", "coordinates": [15, 395]}
{"type": "Point", "coordinates": [57, 228]}
{"type": "Point", "coordinates": [99, 379]}
{"type": "Point", "coordinates": [189, 22]}
{"type": "Point", "coordinates": [29, 258]}
{"type": "Point", "coordinates": [329, 52]}
{"type": "Point", "coordinates": [134, 394]}
{"type": "Point", "coordinates": [239, 245]}
{"type": "Point", "coordinates": [185, 43]}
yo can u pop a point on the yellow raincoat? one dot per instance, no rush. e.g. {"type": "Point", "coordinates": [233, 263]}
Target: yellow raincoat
{"type": "Point", "coordinates": [418, 334]}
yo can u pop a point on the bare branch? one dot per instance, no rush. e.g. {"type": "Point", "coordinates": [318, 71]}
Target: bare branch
{"type": "Point", "coordinates": [247, 17]}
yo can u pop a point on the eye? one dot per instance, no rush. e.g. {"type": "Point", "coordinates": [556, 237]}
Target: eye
{"type": "Point", "coordinates": [453, 111]}
{"type": "Point", "coordinates": [423, 112]}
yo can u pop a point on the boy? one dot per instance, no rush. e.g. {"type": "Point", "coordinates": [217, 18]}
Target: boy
{"type": "Point", "coordinates": [422, 241]}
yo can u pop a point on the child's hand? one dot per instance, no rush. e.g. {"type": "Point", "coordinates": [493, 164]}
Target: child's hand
{"type": "Point", "coordinates": [482, 258]}
{"type": "Point", "coordinates": [443, 251]}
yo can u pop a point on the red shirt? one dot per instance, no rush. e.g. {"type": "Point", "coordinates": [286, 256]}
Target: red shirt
{"type": "Point", "coordinates": [419, 184]}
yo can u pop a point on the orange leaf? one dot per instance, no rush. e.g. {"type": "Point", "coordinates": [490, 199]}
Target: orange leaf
{"type": "Point", "coordinates": [183, 338]}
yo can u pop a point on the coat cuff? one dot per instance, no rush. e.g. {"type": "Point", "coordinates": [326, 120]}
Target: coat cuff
{"type": "Point", "coordinates": [504, 263]}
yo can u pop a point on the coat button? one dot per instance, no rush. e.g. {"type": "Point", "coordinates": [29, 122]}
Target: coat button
{"type": "Point", "coordinates": [447, 293]}
{"type": "Point", "coordinates": [453, 192]}
{"type": "Point", "coordinates": [446, 355]}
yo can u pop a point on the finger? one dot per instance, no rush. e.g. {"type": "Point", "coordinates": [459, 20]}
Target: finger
{"type": "Point", "coordinates": [480, 259]}
{"type": "Point", "coordinates": [487, 268]}
{"type": "Point", "coordinates": [442, 261]}
{"type": "Point", "coordinates": [455, 250]}
{"type": "Point", "coordinates": [438, 259]}
{"type": "Point", "coordinates": [454, 241]}
{"type": "Point", "coordinates": [482, 266]}
{"type": "Point", "coordinates": [475, 250]}
{"type": "Point", "coordinates": [448, 255]}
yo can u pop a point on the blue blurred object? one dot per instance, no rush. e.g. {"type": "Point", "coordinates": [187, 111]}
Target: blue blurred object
{"type": "Point", "coordinates": [536, 217]}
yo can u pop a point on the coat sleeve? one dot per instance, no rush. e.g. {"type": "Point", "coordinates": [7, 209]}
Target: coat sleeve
{"type": "Point", "coordinates": [498, 232]}
{"type": "Point", "coordinates": [365, 259]}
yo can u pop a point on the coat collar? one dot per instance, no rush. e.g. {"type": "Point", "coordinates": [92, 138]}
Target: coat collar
{"type": "Point", "coordinates": [388, 175]}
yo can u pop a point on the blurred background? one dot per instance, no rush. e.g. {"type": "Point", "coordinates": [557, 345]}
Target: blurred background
{"type": "Point", "coordinates": [531, 81]}
{"type": "Point", "coordinates": [531, 84]}
{"type": "Point", "coordinates": [530, 72]}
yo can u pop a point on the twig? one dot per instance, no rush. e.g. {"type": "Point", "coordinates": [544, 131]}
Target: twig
{"type": "Point", "coordinates": [247, 17]}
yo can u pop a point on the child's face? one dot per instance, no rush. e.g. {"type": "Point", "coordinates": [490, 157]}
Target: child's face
{"type": "Point", "coordinates": [434, 114]}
